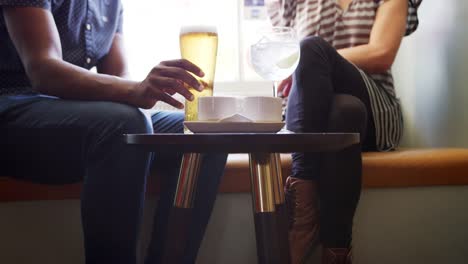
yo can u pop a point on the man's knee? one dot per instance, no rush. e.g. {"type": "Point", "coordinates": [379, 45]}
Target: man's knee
{"type": "Point", "coordinates": [121, 118]}
{"type": "Point", "coordinates": [132, 119]}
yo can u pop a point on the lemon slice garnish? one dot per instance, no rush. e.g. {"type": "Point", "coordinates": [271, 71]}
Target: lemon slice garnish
{"type": "Point", "coordinates": [288, 61]}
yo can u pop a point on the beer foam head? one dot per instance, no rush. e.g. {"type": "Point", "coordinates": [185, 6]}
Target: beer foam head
{"type": "Point", "coordinates": [198, 29]}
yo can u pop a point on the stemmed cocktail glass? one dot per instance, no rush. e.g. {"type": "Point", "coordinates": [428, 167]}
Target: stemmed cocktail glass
{"type": "Point", "coordinates": [275, 53]}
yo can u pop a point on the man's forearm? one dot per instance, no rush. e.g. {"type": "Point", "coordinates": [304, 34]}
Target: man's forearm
{"type": "Point", "coordinates": [64, 80]}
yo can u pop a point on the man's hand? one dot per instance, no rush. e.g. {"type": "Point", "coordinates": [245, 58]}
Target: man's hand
{"type": "Point", "coordinates": [39, 47]}
{"type": "Point", "coordinates": [166, 79]}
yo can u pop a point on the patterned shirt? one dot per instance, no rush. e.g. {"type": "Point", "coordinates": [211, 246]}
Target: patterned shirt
{"type": "Point", "coordinates": [345, 29]}
{"type": "Point", "coordinates": [86, 29]}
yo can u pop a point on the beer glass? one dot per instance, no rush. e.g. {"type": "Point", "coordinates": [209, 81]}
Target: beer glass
{"type": "Point", "coordinates": [199, 45]}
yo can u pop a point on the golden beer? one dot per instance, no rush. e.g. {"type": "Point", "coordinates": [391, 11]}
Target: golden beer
{"type": "Point", "coordinates": [199, 45]}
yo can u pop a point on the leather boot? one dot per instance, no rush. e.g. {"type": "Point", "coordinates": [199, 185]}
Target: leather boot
{"type": "Point", "coordinates": [303, 210]}
{"type": "Point", "coordinates": [336, 256]}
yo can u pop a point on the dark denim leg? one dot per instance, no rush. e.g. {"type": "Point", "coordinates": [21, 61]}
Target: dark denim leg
{"type": "Point", "coordinates": [309, 101]}
{"type": "Point", "coordinates": [340, 179]}
{"type": "Point", "coordinates": [169, 165]}
{"type": "Point", "coordinates": [321, 74]}
{"type": "Point", "coordinates": [56, 141]}
{"type": "Point", "coordinates": [329, 95]}
{"type": "Point", "coordinates": [212, 168]}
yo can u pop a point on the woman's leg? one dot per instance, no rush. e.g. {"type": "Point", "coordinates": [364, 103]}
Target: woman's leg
{"type": "Point", "coordinates": [328, 95]}
{"type": "Point", "coordinates": [339, 183]}
{"type": "Point", "coordinates": [321, 74]}
{"type": "Point", "coordinates": [58, 141]}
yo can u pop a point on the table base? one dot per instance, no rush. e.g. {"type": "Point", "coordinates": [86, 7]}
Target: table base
{"type": "Point", "coordinates": [268, 205]}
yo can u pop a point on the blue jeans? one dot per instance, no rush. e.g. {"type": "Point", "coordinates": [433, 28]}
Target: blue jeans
{"type": "Point", "coordinates": [54, 141]}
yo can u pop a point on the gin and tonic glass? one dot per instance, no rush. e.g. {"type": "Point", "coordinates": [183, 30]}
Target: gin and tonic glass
{"type": "Point", "coordinates": [275, 54]}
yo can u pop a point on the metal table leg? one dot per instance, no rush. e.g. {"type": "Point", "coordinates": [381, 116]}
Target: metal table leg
{"type": "Point", "coordinates": [263, 199]}
{"type": "Point", "coordinates": [181, 212]}
{"type": "Point", "coordinates": [280, 208]}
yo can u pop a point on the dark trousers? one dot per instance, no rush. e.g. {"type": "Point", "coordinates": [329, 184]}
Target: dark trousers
{"type": "Point", "coordinates": [54, 141]}
{"type": "Point", "coordinates": [329, 95]}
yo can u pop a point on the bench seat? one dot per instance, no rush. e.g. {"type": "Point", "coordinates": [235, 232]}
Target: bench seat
{"type": "Point", "coordinates": [402, 168]}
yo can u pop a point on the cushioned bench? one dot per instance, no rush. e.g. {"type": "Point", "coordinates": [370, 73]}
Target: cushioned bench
{"type": "Point", "coordinates": [402, 168]}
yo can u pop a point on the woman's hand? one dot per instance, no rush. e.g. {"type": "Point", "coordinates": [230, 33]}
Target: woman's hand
{"type": "Point", "coordinates": [165, 80]}
{"type": "Point", "coordinates": [284, 87]}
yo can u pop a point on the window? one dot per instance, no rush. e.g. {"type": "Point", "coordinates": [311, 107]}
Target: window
{"type": "Point", "coordinates": [151, 29]}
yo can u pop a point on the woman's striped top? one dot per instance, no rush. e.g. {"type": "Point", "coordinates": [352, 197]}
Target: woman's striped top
{"type": "Point", "coordinates": [344, 29]}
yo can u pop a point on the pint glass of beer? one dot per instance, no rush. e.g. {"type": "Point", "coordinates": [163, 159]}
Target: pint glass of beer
{"type": "Point", "coordinates": [199, 45]}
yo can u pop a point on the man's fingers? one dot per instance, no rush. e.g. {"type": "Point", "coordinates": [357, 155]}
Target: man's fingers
{"type": "Point", "coordinates": [169, 91]}
{"type": "Point", "coordinates": [186, 65]}
{"type": "Point", "coordinates": [180, 74]}
{"type": "Point", "coordinates": [171, 101]}
{"type": "Point", "coordinates": [166, 84]}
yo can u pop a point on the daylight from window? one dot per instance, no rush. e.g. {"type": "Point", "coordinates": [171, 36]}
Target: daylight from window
{"type": "Point", "coordinates": [151, 30]}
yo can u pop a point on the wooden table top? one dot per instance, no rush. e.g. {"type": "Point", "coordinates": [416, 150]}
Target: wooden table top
{"type": "Point", "coordinates": [243, 142]}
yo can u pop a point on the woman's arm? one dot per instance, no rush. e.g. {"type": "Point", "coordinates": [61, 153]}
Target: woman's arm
{"type": "Point", "coordinates": [38, 44]}
{"type": "Point", "coordinates": [389, 28]}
